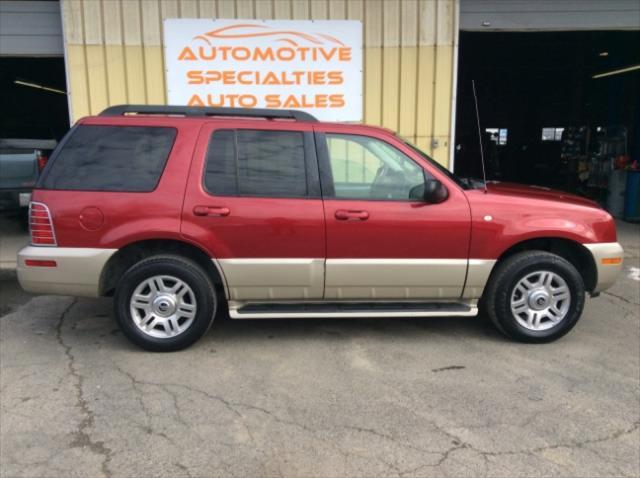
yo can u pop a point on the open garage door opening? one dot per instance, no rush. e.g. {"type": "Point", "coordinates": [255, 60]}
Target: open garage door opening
{"type": "Point", "coordinates": [557, 109]}
{"type": "Point", "coordinates": [35, 116]}
{"type": "Point", "coordinates": [33, 95]}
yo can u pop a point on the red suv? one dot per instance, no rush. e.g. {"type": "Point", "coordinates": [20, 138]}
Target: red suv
{"type": "Point", "coordinates": [185, 213]}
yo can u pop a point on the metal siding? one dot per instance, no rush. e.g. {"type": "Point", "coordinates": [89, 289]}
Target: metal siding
{"type": "Point", "coordinates": [30, 29]}
{"type": "Point", "coordinates": [115, 54]}
{"type": "Point", "coordinates": [549, 15]}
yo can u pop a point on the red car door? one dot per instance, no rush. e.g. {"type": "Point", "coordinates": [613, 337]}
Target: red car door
{"type": "Point", "coordinates": [253, 201]}
{"type": "Point", "coordinates": [380, 243]}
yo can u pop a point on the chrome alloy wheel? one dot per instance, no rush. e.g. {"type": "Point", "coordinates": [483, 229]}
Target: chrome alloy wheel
{"type": "Point", "coordinates": [540, 300]}
{"type": "Point", "coordinates": [163, 306]}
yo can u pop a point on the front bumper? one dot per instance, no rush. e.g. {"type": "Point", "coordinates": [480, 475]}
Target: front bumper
{"type": "Point", "coordinates": [76, 272]}
{"type": "Point", "coordinates": [608, 267]}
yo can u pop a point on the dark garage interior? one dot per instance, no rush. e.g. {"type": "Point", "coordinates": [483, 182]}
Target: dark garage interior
{"type": "Point", "coordinates": [33, 98]}
{"type": "Point", "coordinates": [545, 119]}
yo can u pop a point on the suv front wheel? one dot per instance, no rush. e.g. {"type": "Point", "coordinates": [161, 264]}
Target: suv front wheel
{"type": "Point", "coordinates": [165, 303]}
{"type": "Point", "coordinates": [535, 296]}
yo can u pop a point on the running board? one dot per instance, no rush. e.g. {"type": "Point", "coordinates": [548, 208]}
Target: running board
{"type": "Point", "coordinates": [313, 310]}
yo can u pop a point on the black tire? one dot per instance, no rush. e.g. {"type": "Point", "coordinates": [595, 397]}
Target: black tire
{"type": "Point", "coordinates": [179, 267]}
{"type": "Point", "coordinates": [496, 300]}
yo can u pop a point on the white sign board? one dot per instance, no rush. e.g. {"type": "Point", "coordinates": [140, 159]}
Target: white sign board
{"type": "Point", "coordinates": [314, 66]}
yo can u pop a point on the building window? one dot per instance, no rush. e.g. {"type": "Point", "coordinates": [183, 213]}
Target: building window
{"type": "Point", "coordinates": [552, 134]}
{"type": "Point", "coordinates": [498, 135]}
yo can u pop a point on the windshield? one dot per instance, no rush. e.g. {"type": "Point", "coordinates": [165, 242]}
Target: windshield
{"type": "Point", "coordinates": [460, 182]}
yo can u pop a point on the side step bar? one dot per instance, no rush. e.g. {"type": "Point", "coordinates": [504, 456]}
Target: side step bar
{"type": "Point", "coordinates": [312, 310]}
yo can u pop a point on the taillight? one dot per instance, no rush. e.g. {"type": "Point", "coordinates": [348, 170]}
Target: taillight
{"type": "Point", "coordinates": [41, 225]}
{"type": "Point", "coordinates": [42, 160]}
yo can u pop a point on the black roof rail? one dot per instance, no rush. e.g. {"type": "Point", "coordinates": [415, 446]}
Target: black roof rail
{"type": "Point", "coordinates": [196, 111]}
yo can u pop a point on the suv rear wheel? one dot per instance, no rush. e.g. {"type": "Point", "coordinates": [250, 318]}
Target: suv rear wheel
{"type": "Point", "coordinates": [535, 296]}
{"type": "Point", "coordinates": [165, 303]}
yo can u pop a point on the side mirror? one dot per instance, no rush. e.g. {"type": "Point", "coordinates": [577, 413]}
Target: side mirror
{"type": "Point", "coordinates": [432, 192]}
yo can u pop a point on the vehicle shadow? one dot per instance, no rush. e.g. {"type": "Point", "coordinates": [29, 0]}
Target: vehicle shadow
{"type": "Point", "coordinates": [228, 329]}
{"type": "Point", "coordinates": [91, 322]}
{"type": "Point", "coordinates": [11, 294]}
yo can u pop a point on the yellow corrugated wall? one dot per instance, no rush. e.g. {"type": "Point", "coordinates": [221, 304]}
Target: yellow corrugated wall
{"type": "Point", "coordinates": [114, 54]}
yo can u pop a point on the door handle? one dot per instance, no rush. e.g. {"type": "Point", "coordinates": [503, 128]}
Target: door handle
{"type": "Point", "coordinates": [211, 211]}
{"type": "Point", "coordinates": [345, 215]}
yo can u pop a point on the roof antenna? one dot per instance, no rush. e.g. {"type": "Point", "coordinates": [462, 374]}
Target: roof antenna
{"type": "Point", "coordinates": [475, 98]}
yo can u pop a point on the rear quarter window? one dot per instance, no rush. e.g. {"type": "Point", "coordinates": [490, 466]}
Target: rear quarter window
{"type": "Point", "coordinates": [111, 158]}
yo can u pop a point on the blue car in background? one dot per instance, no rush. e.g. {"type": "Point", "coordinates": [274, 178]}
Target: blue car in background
{"type": "Point", "coordinates": [21, 161]}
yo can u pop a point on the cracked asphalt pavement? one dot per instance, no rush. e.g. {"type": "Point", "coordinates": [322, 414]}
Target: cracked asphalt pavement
{"type": "Point", "coordinates": [443, 397]}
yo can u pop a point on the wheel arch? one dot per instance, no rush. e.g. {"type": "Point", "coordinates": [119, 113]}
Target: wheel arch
{"type": "Point", "coordinates": [572, 251]}
{"type": "Point", "coordinates": [136, 251]}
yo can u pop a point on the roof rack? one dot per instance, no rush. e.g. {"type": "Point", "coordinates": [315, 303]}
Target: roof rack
{"type": "Point", "coordinates": [195, 111]}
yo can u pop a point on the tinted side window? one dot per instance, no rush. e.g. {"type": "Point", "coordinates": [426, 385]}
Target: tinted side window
{"type": "Point", "coordinates": [221, 174]}
{"type": "Point", "coordinates": [256, 163]}
{"type": "Point", "coordinates": [111, 158]}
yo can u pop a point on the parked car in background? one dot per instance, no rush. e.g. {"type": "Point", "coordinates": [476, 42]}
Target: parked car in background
{"type": "Point", "coordinates": [21, 162]}
{"type": "Point", "coordinates": [182, 213]}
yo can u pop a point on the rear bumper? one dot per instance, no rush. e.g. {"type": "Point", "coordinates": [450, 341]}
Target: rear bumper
{"type": "Point", "coordinates": [608, 271]}
{"type": "Point", "coordinates": [77, 270]}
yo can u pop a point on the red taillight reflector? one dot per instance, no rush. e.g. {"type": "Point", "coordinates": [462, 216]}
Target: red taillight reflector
{"type": "Point", "coordinates": [41, 225]}
{"type": "Point", "coordinates": [42, 161]}
{"type": "Point", "coordinates": [35, 227]}
{"type": "Point", "coordinates": [38, 241]}
{"type": "Point", "coordinates": [42, 235]}
{"type": "Point", "coordinates": [40, 263]}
